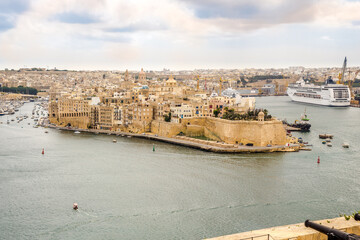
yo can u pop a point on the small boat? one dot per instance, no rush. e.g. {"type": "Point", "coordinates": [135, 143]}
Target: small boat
{"type": "Point", "coordinates": [129, 136]}
{"type": "Point", "coordinates": [323, 142]}
{"type": "Point", "coordinates": [345, 145]}
{"type": "Point", "coordinates": [324, 136]}
{"type": "Point", "coordinates": [46, 132]}
{"type": "Point", "coordinates": [114, 140]}
{"type": "Point", "coordinates": [76, 132]}
{"type": "Point", "coordinates": [329, 144]}
{"type": "Point", "coordinates": [328, 140]}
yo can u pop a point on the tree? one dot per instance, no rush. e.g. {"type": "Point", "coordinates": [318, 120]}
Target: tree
{"type": "Point", "coordinates": [20, 89]}
{"type": "Point", "coordinates": [167, 117]}
{"type": "Point", "coordinates": [216, 112]}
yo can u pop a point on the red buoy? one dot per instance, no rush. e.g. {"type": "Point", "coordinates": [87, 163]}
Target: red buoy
{"type": "Point", "coordinates": [318, 160]}
{"type": "Point", "coordinates": [42, 151]}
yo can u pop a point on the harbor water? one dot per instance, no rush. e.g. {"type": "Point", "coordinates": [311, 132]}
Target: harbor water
{"type": "Point", "coordinates": [125, 190]}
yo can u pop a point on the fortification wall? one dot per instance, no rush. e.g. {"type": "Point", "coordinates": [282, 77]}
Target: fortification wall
{"type": "Point", "coordinates": [166, 129]}
{"type": "Point", "coordinates": [236, 132]}
{"type": "Point", "coordinates": [233, 132]}
{"type": "Point", "coordinates": [77, 122]}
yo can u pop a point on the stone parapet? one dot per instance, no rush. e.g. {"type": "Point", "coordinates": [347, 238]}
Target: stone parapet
{"type": "Point", "coordinates": [296, 231]}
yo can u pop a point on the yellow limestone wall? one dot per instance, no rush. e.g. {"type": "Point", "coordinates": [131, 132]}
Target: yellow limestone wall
{"type": "Point", "coordinates": [166, 129]}
{"type": "Point", "coordinates": [258, 133]}
{"type": "Point", "coordinates": [77, 122]}
{"type": "Point", "coordinates": [297, 231]}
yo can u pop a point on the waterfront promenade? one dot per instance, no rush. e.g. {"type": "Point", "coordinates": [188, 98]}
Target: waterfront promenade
{"type": "Point", "coordinates": [204, 145]}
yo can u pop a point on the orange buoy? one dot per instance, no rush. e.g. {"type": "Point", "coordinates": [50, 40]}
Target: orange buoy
{"type": "Point", "coordinates": [43, 151]}
{"type": "Point", "coordinates": [318, 160]}
{"type": "Point", "coordinates": [75, 206]}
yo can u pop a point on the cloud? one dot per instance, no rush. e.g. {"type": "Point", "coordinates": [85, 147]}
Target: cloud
{"type": "Point", "coordinates": [326, 38]}
{"type": "Point", "coordinates": [271, 10]}
{"type": "Point", "coordinates": [251, 15]}
{"type": "Point", "coordinates": [216, 9]}
{"type": "Point", "coordinates": [5, 23]}
{"type": "Point", "coordinates": [140, 26]}
{"type": "Point", "coordinates": [9, 12]}
{"type": "Point", "coordinates": [13, 6]}
{"type": "Point", "coordinates": [154, 31]}
{"type": "Point", "coordinates": [75, 17]}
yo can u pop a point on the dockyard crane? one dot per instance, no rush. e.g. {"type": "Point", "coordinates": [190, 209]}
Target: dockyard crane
{"type": "Point", "coordinates": [220, 85]}
{"type": "Point", "coordinates": [198, 82]}
{"type": "Point", "coordinates": [342, 74]}
{"type": "Point", "coordinates": [198, 78]}
{"type": "Point", "coordinates": [350, 83]}
{"type": "Point", "coordinates": [276, 88]}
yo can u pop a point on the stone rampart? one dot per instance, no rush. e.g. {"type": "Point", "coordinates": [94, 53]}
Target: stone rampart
{"type": "Point", "coordinates": [76, 122]}
{"type": "Point", "coordinates": [228, 131]}
{"type": "Point", "coordinates": [237, 132]}
{"type": "Point", "coordinates": [166, 129]}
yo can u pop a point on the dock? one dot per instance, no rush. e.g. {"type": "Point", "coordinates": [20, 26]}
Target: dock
{"type": "Point", "coordinates": [291, 129]}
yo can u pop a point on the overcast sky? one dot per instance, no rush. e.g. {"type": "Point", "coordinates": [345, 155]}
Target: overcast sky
{"type": "Point", "coordinates": [178, 34]}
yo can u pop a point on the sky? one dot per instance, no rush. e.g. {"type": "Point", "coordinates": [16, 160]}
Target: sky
{"type": "Point", "coordinates": [178, 34]}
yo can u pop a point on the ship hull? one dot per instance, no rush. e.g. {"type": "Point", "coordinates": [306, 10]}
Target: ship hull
{"type": "Point", "coordinates": [329, 95]}
{"type": "Point", "coordinates": [323, 102]}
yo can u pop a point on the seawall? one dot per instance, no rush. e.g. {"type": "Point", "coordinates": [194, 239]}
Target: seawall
{"type": "Point", "coordinates": [209, 146]}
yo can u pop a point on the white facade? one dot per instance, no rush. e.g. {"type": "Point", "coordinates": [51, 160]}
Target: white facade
{"type": "Point", "coordinates": [336, 95]}
{"type": "Point", "coordinates": [181, 111]}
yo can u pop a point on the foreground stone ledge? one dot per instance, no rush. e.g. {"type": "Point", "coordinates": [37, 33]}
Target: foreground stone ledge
{"type": "Point", "coordinates": [296, 231]}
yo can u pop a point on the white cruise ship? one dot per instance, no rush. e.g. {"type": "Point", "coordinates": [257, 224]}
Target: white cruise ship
{"type": "Point", "coordinates": [330, 94]}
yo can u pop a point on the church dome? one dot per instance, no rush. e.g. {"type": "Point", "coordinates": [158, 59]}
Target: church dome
{"type": "Point", "coordinates": [229, 92]}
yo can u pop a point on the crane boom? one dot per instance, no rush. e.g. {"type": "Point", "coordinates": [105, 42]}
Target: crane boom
{"type": "Point", "coordinates": [343, 71]}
